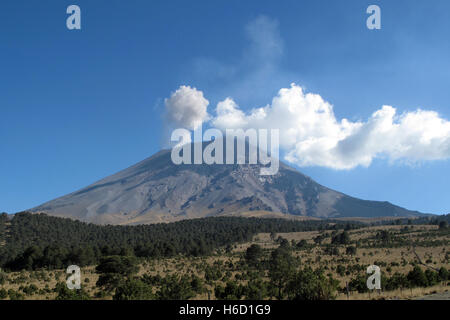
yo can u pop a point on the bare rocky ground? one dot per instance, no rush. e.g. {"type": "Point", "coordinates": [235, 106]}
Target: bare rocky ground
{"type": "Point", "coordinates": [156, 190]}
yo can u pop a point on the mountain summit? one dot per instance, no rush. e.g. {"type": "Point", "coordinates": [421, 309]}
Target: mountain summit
{"type": "Point", "coordinates": [156, 190]}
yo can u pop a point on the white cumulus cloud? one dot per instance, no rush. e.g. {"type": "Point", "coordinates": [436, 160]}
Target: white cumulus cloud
{"type": "Point", "coordinates": [311, 135]}
{"type": "Point", "coordinates": [186, 108]}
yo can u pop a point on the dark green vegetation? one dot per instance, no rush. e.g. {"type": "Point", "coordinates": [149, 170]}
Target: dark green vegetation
{"type": "Point", "coordinates": [3, 223]}
{"type": "Point", "coordinates": [268, 274]}
{"type": "Point", "coordinates": [34, 241]}
{"type": "Point", "coordinates": [284, 281]}
{"type": "Point", "coordinates": [416, 278]}
{"type": "Point", "coordinates": [202, 258]}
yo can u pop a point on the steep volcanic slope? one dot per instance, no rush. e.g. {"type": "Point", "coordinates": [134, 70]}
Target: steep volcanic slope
{"type": "Point", "coordinates": [156, 190]}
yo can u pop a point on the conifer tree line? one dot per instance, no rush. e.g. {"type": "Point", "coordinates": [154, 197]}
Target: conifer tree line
{"type": "Point", "coordinates": [37, 241]}
{"type": "Point", "coordinates": [33, 241]}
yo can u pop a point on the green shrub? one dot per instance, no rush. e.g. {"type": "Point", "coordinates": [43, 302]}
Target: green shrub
{"type": "Point", "coordinates": [64, 293]}
{"type": "Point", "coordinates": [3, 294]}
{"type": "Point", "coordinates": [134, 290]}
{"type": "Point", "coordinates": [310, 284]}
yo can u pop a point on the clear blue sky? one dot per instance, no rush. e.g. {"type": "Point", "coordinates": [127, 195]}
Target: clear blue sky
{"type": "Point", "coordinates": [76, 106]}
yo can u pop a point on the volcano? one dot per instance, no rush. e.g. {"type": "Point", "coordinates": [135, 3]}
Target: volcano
{"type": "Point", "coordinates": [157, 190]}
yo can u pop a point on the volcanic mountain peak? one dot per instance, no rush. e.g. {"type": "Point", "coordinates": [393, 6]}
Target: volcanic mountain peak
{"type": "Point", "coordinates": [156, 190]}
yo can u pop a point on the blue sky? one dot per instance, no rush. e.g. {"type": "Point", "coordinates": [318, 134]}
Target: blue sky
{"type": "Point", "coordinates": [76, 106]}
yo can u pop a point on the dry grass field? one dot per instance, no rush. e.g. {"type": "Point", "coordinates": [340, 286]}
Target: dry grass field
{"type": "Point", "coordinates": [399, 258]}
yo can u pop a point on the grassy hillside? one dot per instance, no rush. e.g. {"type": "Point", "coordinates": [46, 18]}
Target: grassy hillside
{"type": "Point", "coordinates": [38, 240]}
{"type": "Point", "coordinates": [223, 258]}
{"type": "Point", "coordinates": [414, 262]}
